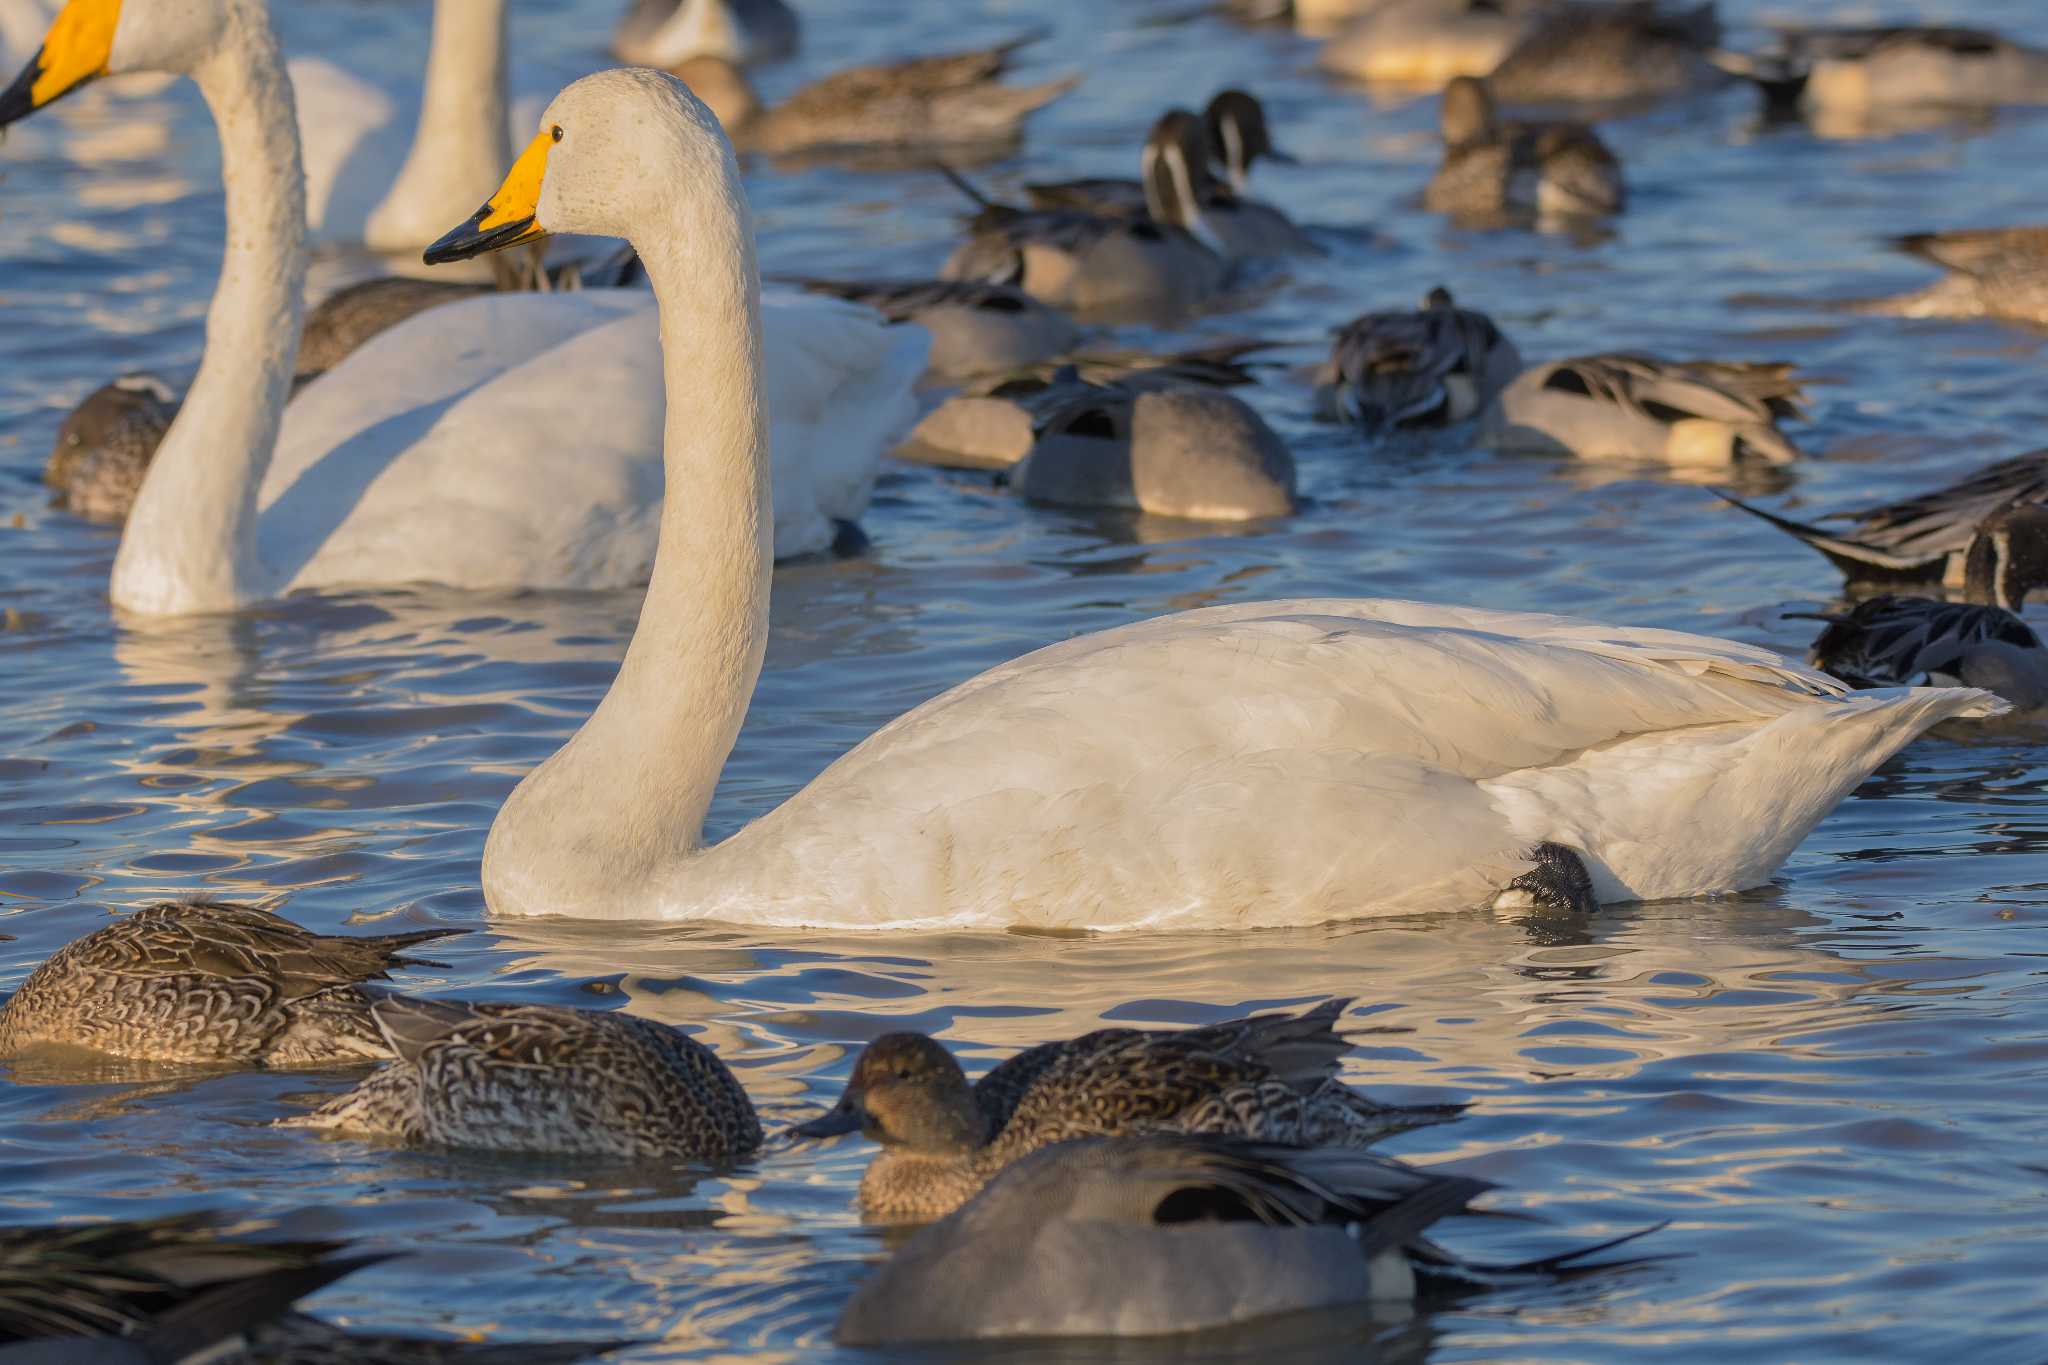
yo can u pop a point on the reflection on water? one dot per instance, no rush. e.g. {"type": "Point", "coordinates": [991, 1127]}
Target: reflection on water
{"type": "Point", "coordinates": [1830, 1087]}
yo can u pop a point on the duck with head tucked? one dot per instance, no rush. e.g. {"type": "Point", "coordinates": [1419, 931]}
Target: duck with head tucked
{"type": "Point", "coordinates": [1271, 1077]}
{"type": "Point", "coordinates": [1421, 42]}
{"type": "Point", "coordinates": [1627, 406]}
{"type": "Point", "coordinates": [1608, 52]}
{"type": "Point", "coordinates": [1857, 69]}
{"type": "Point", "coordinates": [1894, 641]}
{"type": "Point", "coordinates": [203, 982]}
{"type": "Point", "coordinates": [1415, 369]}
{"type": "Point", "coordinates": [667, 33]}
{"type": "Point", "coordinates": [543, 1078]}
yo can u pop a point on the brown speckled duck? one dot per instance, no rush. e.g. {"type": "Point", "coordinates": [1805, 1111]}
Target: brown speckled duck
{"type": "Point", "coordinates": [1494, 170]}
{"type": "Point", "coordinates": [1270, 1077]}
{"type": "Point", "coordinates": [203, 982]}
{"type": "Point", "coordinates": [542, 1078]}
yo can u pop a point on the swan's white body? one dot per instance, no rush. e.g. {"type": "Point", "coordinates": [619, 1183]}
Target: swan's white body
{"type": "Point", "coordinates": [1259, 764]}
{"type": "Point", "coordinates": [495, 443]}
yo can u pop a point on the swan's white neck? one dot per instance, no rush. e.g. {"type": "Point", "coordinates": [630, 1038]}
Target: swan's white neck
{"type": "Point", "coordinates": [190, 543]}
{"type": "Point", "coordinates": [592, 830]}
{"type": "Point", "coordinates": [462, 145]}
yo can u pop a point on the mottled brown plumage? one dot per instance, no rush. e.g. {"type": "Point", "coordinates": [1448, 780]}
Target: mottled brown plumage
{"type": "Point", "coordinates": [540, 1078]}
{"type": "Point", "coordinates": [1495, 170]}
{"type": "Point", "coordinates": [1270, 1077]}
{"type": "Point", "coordinates": [210, 983]}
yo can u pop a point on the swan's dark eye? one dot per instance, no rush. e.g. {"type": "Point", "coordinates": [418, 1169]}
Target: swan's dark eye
{"type": "Point", "coordinates": [556, 132]}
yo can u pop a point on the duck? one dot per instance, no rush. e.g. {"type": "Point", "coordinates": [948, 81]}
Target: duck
{"type": "Point", "coordinates": [1892, 640]}
{"type": "Point", "coordinates": [1412, 369]}
{"type": "Point", "coordinates": [202, 1286]}
{"type": "Point", "coordinates": [1627, 406]}
{"type": "Point", "coordinates": [1183, 451]}
{"type": "Point", "coordinates": [1231, 136]}
{"type": "Point", "coordinates": [1610, 52]}
{"type": "Point", "coordinates": [211, 983]}
{"type": "Point", "coordinates": [929, 104]}
{"type": "Point", "coordinates": [1237, 136]}
{"type": "Point", "coordinates": [543, 1079]}
{"type": "Point", "coordinates": [976, 328]}
{"type": "Point", "coordinates": [1168, 1234]}
{"type": "Point", "coordinates": [1494, 170]}
{"type": "Point", "coordinates": [1999, 272]}
{"type": "Point", "coordinates": [667, 33]}
{"type": "Point", "coordinates": [1169, 262]}
{"type": "Point", "coordinates": [1266, 1076]}
{"type": "Point", "coordinates": [1420, 42]}
{"type": "Point", "coordinates": [994, 422]}
{"type": "Point", "coordinates": [1986, 535]}
{"type": "Point", "coordinates": [1406, 756]}
{"type": "Point", "coordinates": [499, 442]}
{"type": "Point", "coordinates": [1851, 69]}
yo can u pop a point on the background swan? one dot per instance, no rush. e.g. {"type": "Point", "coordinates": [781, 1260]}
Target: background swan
{"type": "Point", "coordinates": [501, 442]}
{"type": "Point", "coordinates": [1405, 756]}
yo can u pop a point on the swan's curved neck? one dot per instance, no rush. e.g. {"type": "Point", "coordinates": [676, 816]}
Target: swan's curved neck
{"type": "Point", "coordinates": [190, 543]}
{"type": "Point", "coordinates": [593, 829]}
{"type": "Point", "coordinates": [462, 144]}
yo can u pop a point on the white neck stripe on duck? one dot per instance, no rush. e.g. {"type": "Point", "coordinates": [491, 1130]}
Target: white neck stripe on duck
{"type": "Point", "coordinates": [1174, 181]}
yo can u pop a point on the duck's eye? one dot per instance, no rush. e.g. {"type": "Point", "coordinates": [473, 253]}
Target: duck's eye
{"type": "Point", "coordinates": [902, 1073]}
{"type": "Point", "coordinates": [556, 132]}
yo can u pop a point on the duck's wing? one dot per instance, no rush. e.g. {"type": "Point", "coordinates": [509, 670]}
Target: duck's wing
{"type": "Point", "coordinates": [1944, 521]}
{"type": "Point", "coordinates": [903, 300]}
{"type": "Point", "coordinates": [1982, 253]}
{"type": "Point", "coordinates": [175, 1279]}
{"type": "Point", "coordinates": [350, 316]}
{"type": "Point", "coordinates": [1391, 367]}
{"type": "Point", "coordinates": [1108, 197]}
{"type": "Point", "coordinates": [1891, 641]}
{"type": "Point", "coordinates": [922, 78]}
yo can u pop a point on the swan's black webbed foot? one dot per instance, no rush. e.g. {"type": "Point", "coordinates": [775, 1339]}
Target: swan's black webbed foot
{"type": "Point", "coordinates": [1559, 881]}
{"type": "Point", "coordinates": [848, 539]}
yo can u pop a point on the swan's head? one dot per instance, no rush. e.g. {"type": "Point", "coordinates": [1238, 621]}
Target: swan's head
{"type": "Point", "coordinates": [93, 38]}
{"type": "Point", "coordinates": [616, 152]}
{"type": "Point", "coordinates": [906, 1091]}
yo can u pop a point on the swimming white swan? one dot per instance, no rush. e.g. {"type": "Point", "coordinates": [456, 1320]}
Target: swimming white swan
{"type": "Point", "coordinates": [1254, 764]}
{"type": "Point", "coordinates": [507, 441]}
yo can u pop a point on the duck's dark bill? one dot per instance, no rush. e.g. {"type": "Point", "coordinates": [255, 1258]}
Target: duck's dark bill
{"type": "Point", "coordinates": [474, 239]}
{"type": "Point", "coordinates": [842, 1118]}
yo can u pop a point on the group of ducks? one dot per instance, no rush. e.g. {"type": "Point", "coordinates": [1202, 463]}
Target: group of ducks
{"type": "Point", "coordinates": [1443, 757]}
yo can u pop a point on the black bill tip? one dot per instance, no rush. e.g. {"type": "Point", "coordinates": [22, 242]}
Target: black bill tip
{"type": "Point", "coordinates": [18, 101]}
{"type": "Point", "coordinates": [473, 239]}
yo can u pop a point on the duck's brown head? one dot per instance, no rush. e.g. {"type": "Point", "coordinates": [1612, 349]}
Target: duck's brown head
{"type": "Point", "coordinates": [906, 1091]}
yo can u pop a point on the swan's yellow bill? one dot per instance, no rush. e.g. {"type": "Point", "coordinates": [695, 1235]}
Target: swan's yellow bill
{"type": "Point", "coordinates": [507, 218]}
{"type": "Point", "coordinates": [76, 49]}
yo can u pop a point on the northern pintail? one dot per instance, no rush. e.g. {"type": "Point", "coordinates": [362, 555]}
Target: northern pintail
{"type": "Point", "coordinates": [1625, 406]}
{"type": "Point", "coordinates": [667, 33]}
{"type": "Point", "coordinates": [1992, 272]}
{"type": "Point", "coordinates": [977, 328]}
{"type": "Point", "coordinates": [203, 982]}
{"type": "Point", "coordinates": [1894, 641]}
{"type": "Point", "coordinates": [1855, 68]}
{"type": "Point", "coordinates": [1182, 451]}
{"type": "Point", "coordinates": [940, 102]}
{"type": "Point", "coordinates": [1599, 53]}
{"type": "Point", "coordinates": [542, 1078]}
{"type": "Point", "coordinates": [1411, 369]}
{"type": "Point", "coordinates": [1169, 261]}
{"type": "Point", "coordinates": [1424, 42]}
{"type": "Point", "coordinates": [180, 1288]}
{"type": "Point", "coordinates": [1986, 535]}
{"type": "Point", "coordinates": [1169, 1233]}
{"type": "Point", "coordinates": [1235, 136]}
{"type": "Point", "coordinates": [1494, 170]}
{"type": "Point", "coordinates": [994, 423]}
{"type": "Point", "coordinates": [1271, 1077]}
